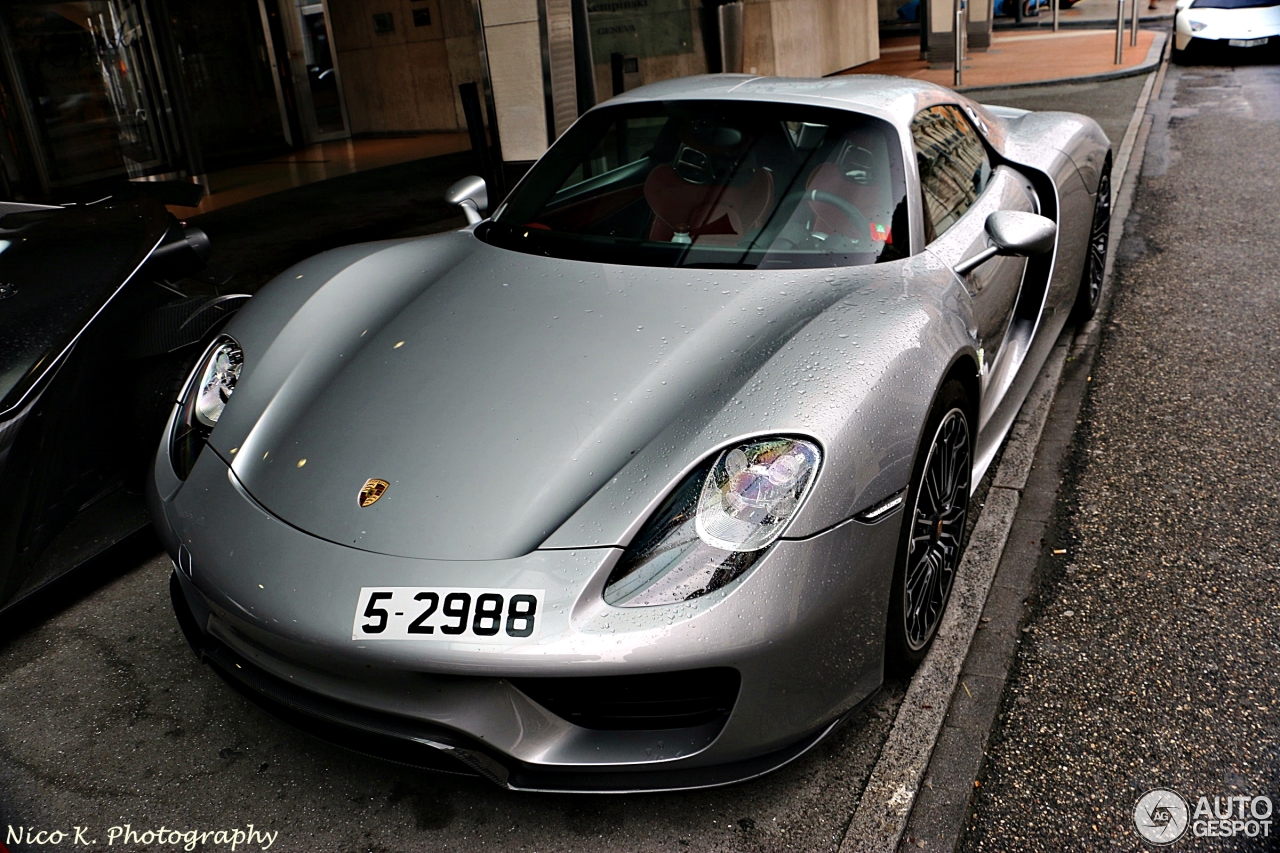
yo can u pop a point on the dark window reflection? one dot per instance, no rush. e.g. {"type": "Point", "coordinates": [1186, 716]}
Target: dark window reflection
{"type": "Point", "coordinates": [88, 73]}
{"type": "Point", "coordinates": [226, 74]}
{"type": "Point", "coordinates": [320, 71]}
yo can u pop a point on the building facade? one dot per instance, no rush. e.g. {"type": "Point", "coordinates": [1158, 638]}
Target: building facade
{"type": "Point", "coordinates": [95, 91]}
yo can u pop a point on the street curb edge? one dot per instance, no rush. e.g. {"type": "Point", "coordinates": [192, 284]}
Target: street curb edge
{"type": "Point", "coordinates": [886, 804]}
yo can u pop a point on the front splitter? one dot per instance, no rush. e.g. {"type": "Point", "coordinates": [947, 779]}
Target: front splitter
{"type": "Point", "coordinates": [401, 740]}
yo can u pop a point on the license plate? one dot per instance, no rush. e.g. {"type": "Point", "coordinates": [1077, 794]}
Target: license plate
{"type": "Point", "coordinates": [1246, 42]}
{"type": "Point", "coordinates": [449, 614]}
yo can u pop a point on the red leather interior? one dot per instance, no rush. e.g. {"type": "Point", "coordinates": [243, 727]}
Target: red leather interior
{"type": "Point", "coordinates": [830, 219]}
{"type": "Point", "coordinates": [708, 213]}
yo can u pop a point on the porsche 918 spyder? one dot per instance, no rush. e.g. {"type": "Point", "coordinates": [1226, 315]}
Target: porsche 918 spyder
{"type": "Point", "coordinates": [643, 481]}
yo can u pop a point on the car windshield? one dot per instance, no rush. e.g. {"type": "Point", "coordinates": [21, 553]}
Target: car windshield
{"type": "Point", "coordinates": [713, 184]}
{"type": "Point", "coordinates": [1233, 4]}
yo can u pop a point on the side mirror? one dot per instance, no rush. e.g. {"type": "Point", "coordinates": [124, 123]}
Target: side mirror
{"type": "Point", "coordinates": [471, 195]}
{"type": "Point", "coordinates": [1014, 234]}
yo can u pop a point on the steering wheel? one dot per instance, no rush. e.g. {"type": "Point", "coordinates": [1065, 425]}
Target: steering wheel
{"type": "Point", "coordinates": [861, 225]}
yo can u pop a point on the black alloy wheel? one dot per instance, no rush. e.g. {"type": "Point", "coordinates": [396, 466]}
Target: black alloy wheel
{"type": "Point", "coordinates": [1095, 262]}
{"type": "Point", "coordinates": [932, 541]}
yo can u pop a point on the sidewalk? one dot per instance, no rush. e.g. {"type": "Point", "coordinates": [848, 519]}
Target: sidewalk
{"type": "Point", "coordinates": [1085, 13]}
{"type": "Point", "coordinates": [1093, 13]}
{"type": "Point", "coordinates": [257, 238]}
{"type": "Point", "coordinates": [263, 217]}
{"type": "Point", "coordinates": [320, 162]}
{"type": "Point", "coordinates": [1019, 57]}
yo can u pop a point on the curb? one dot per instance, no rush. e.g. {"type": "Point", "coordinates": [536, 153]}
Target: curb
{"type": "Point", "coordinates": [920, 786]}
{"type": "Point", "coordinates": [1154, 56]}
{"type": "Point", "coordinates": [939, 818]}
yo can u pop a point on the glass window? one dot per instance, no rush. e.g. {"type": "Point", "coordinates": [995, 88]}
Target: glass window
{"type": "Point", "coordinates": [713, 184]}
{"type": "Point", "coordinates": [86, 68]}
{"type": "Point", "coordinates": [623, 143]}
{"type": "Point", "coordinates": [222, 52]}
{"type": "Point", "coordinates": [954, 167]}
{"type": "Point", "coordinates": [326, 105]}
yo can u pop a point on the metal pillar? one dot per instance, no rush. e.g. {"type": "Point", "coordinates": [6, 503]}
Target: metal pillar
{"type": "Point", "coordinates": [1120, 31]}
{"type": "Point", "coordinates": [959, 33]}
{"type": "Point", "coordinates": [1133, 25]}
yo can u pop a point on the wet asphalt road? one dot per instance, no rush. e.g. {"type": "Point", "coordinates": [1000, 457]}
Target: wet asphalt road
{"type": "Point", "coordinates": [110, 719]}
{"type": "Point", "coordinates": [1152, 660]}
{"type": "Point", "coordinates": [107, 719]}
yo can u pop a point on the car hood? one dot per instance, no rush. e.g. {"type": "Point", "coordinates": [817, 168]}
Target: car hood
{"type": "Point", "coordinates": [493, 391]}
{"type": "Point", "coordinates": [1249, 22]}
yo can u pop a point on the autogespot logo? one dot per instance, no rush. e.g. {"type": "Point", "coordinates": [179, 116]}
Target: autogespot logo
{"type": "Point", "coordinates": [1161, 816]}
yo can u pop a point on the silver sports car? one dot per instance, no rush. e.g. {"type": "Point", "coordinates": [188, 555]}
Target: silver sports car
{"type": "Point", "coordinates": [642, 482]}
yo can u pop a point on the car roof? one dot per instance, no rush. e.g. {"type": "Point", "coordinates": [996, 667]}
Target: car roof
{"type": "Point", "coordinates": [895, 98]}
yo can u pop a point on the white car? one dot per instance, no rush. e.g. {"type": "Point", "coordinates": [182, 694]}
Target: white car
{"type": "Point", "coordinates": [1228, 23]}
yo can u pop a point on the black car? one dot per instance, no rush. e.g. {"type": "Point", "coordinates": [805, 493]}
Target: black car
{"type": "Point", "coordinates": [99, 322]}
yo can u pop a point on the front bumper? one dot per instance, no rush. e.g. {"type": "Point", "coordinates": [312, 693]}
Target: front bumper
{"type": "Point", "coordinates": [272, 607]}
{"type": "Point", "coordinates": [1222, 26]}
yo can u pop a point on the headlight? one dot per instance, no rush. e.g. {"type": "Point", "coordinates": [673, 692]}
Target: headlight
{"type": "Point", "coordinates": [753, 492]}
{"type": "Point", "coordinates": [217, 381]}
{"type": "Point", "coordinates": [716, 524]}
{"type": "Point", "coordinates": [204, 397]}
{"type": "Point", "coordinates": [1196, 26]}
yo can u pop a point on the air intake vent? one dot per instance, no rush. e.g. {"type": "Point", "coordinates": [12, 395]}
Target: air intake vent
{"type": "Point", "coordinates": [666, 700]}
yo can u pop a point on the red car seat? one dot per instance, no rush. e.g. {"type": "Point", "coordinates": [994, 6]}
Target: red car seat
{"type": "Point", "coordinates": [711, 214]}
{"type": "Point", "coordinates": [868, 192]}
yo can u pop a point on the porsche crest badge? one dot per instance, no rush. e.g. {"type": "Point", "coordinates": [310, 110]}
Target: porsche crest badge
{"type": "Point", "coordinates": [372, 490]}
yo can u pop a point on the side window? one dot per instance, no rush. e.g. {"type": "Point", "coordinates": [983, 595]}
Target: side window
{"type": "Point", "coordinates": [954, 167]}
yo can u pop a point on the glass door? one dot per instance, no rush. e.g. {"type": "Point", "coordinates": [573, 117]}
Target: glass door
{"type": "Point", "coordinates": [224, 61]}
{"type": "Point", "coordinates": [92, 96]}
{"type": "Point", "coordinates": [321, 109]}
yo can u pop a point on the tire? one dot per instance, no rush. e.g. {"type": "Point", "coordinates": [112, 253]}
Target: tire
{"type": "Point", "coordinates": [937, 507]}
{"type": "Point", "coordinates": [1095, 261]}
{"type": "Point", "coordinates": [1179, 57]}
